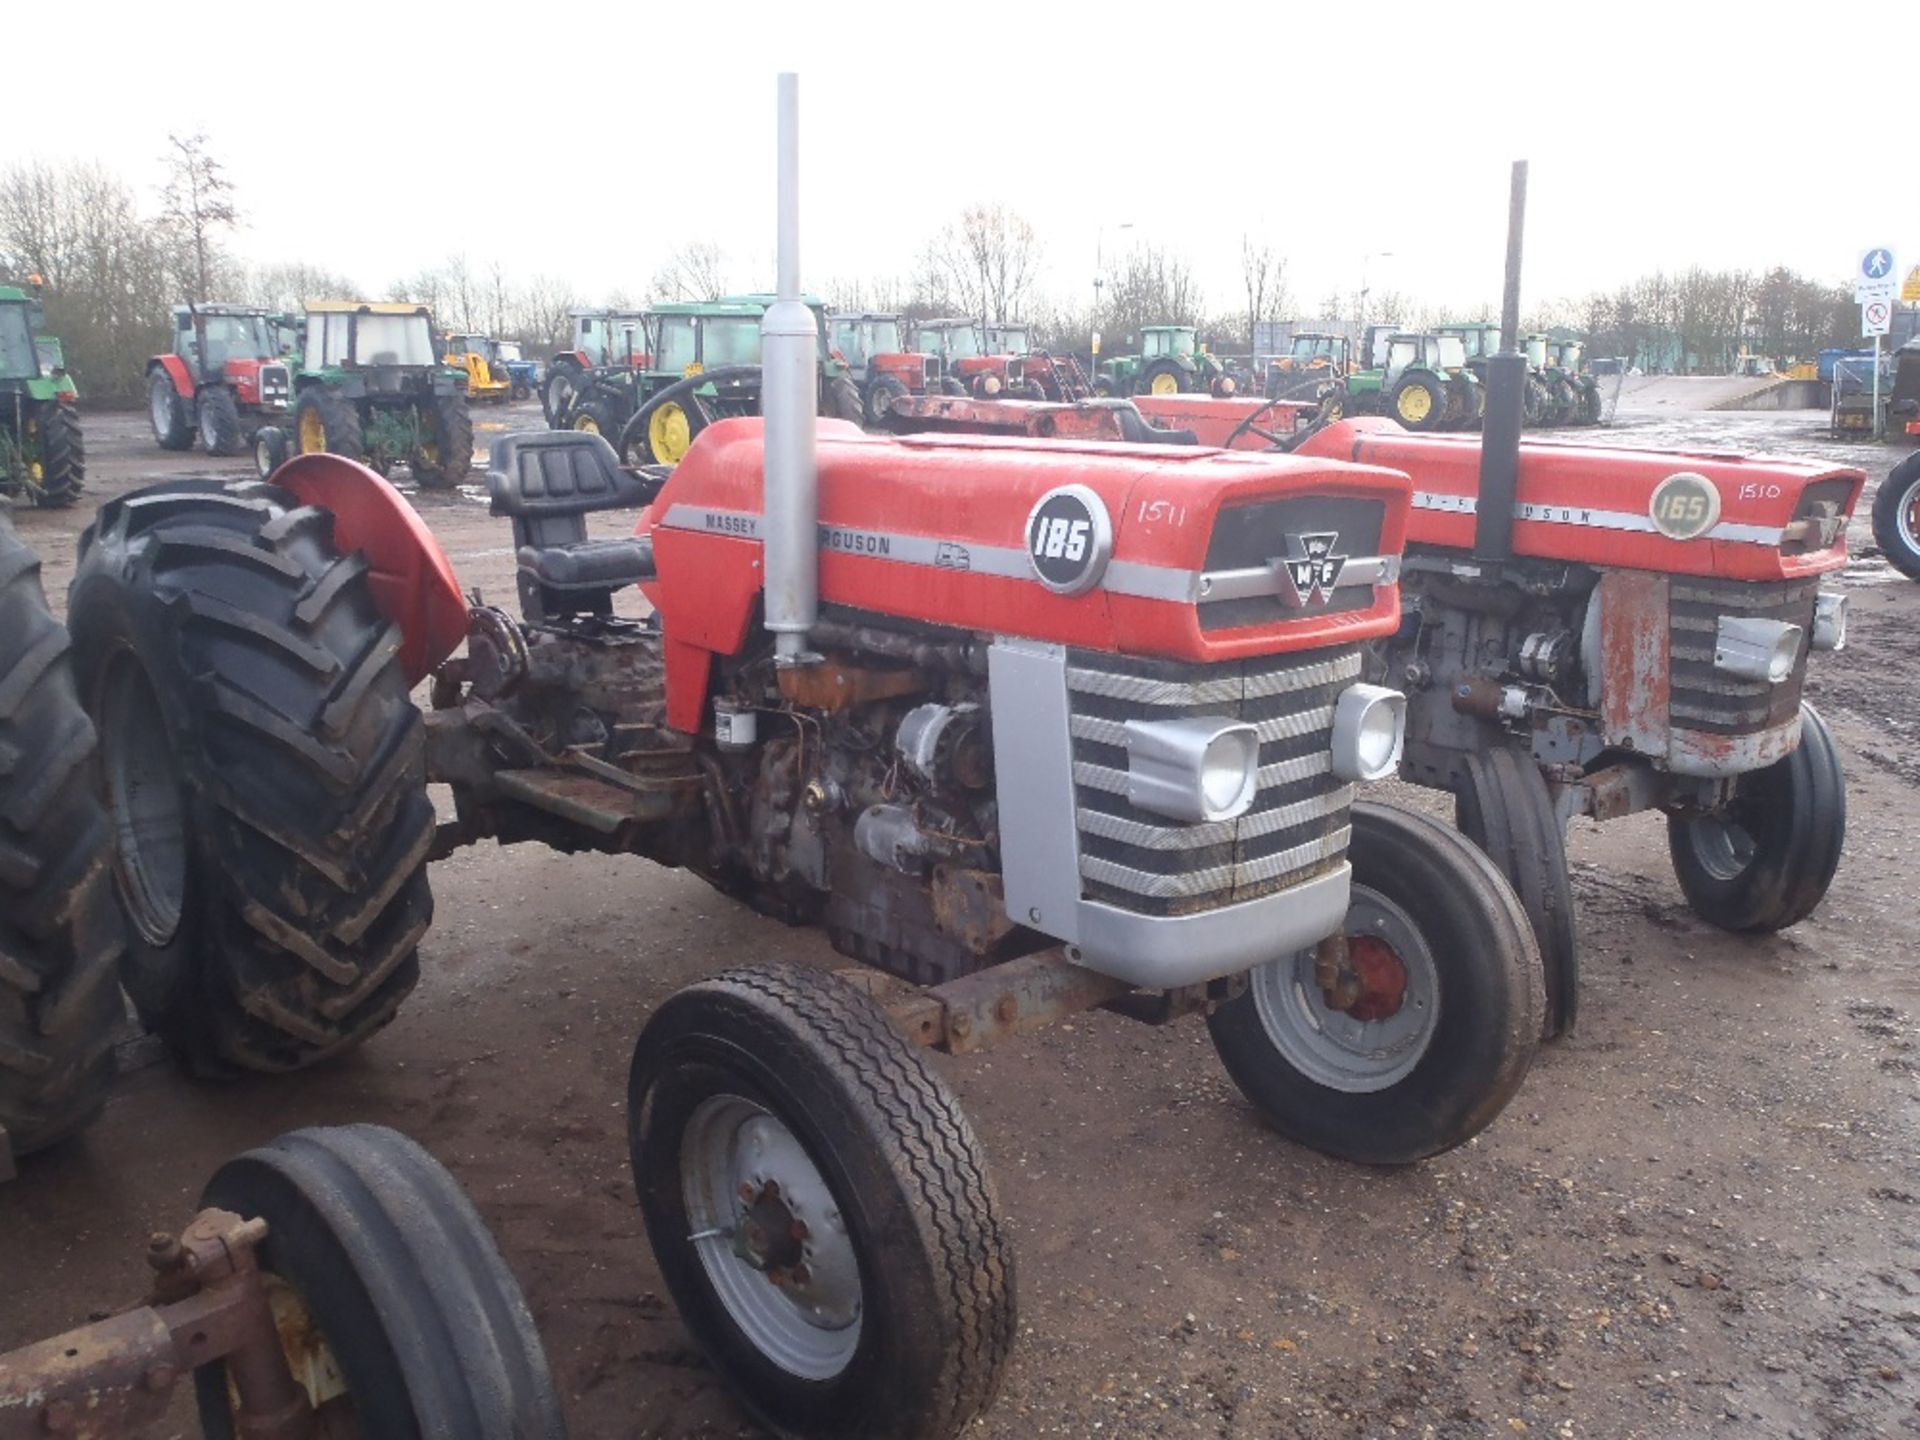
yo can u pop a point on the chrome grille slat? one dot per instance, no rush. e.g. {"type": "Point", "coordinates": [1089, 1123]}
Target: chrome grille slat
{"type": "Point", "coordinates": [1145, 690]}
{"type": "Point", "coordinates": [1277, 727]}
{"type": "Point", "coordinates": [1223, 832]}
{"type": "Point", "coordinates": [1190, 884]}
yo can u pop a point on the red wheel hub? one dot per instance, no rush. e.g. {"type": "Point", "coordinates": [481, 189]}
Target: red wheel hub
{"type": "Point", "coordinates": [1382, 976]}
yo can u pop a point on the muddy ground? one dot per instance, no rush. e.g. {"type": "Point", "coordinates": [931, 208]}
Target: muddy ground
{"type": "Point", "coordinates": [1701, 1216]}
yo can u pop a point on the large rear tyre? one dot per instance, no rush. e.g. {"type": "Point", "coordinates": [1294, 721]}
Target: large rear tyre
{"type": "Point", "coordinates": [881, 393]}
{"type": "Point", "coordinates": [1163, 377]}
{"type": "Point", "coordinates": [1896, 517]}
{"type": "Point", "coordinates": [840, 400]}
{"type": "Point", "coordinates": [170, 411]}
{"type": "Point", "coordinates": [1434, 1017]}
{"type": "Point", "coordinates": [1419, 402]}
{"type": "Point", "coordinates": [220, 430]}
{"type": "Point", "coordinates": [264, 770]}
{"type": "Point", "coordinates": [1765, 861]}
{"type": "Point", "coordinates": [444, 456]}
{"type": "Point", "coordinates": [819, 1208]}
{"type": "Point", "coordinates": [398, 1316]}
{"type": "Point", "coordinates": [63, 457]}
{"type": "Point", "coordinates": [324, 422]}
{"type": "Point", "coordinates": [1504, 807]}
{"type": "Point", "coordinates": [60, 935]}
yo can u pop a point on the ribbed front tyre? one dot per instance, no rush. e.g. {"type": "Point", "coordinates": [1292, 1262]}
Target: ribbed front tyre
{"type": "Point", "coordinates": [264, 769]}
{"type": "Point", "coordinates": [820, 1209]}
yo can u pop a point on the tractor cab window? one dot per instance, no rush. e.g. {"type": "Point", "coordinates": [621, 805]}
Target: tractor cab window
{"type": "Point", "coordinates": [1010, 340]}
{"type": "Point", "coordinates": [393, 340]}
{"type": "Point", "coordinates": [1537, 351]}
{"type": "Point", "coordinates": [51, 356]}
{"type": "Point", "coordinates": [229, 337]}
{"type": "Point", "coordinates": [1570, 353]}
{"type": "Point", "coordinates": [1470, 344]}
{"type": "Point", "coordinates": [1453, 352]}
{"type": "Point", "coordinates": [884, 339]}
{"type": "Point", "coordinates": [962, 342]}
{"type": "Point", "coordinates": [18, 360]}
{"type": "Point", "coordinates": [679, 344]}
{"type": "Point", "coordinates": [1402, 351]}
{"type": "Point", "coordinates": [1306, 347]}
{"type": "Point", "coordinates": [506, 350]}
{"type": "Point", "coordinates": [731, 340]}
{"type": "Point", "coordinates": [848, 337]}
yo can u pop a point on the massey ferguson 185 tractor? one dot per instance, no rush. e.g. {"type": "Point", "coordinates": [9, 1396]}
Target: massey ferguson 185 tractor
{"type": "Point", "coordinates": [1026, 727]}
{"type": "Point", "coordinates": [224, 378]}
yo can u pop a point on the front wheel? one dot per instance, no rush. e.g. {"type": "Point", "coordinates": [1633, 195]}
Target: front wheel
{"type": "Point", "coordinates": [1896, 517]}
{"type": "Point", "coordinates": [220, 431]}
{"type": "Point", "coordinates": [1765, 860]}
{"type": "Point", "coordinates": [819, 1208]}
{"type": "Point", "coordinates": [1414, 1038]}
{"type": "Point", "coordinates": [397, 1314]}
{"type": "Point", "coordinates": [443, 455]}
{"type": "Point", "coordinates": [170, 412]}
{"type": "Point", "coordinates": [270, 447]}
{"type": "Point", "coordinates": [881, 394]}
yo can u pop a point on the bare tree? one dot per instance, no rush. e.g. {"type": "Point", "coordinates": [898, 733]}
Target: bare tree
{"type": "Point", "coordinates": [198, 202]}
{"type": "Point", "coordinates": [696, 271]}
{"type": "Point", "coordinates": [288, 287]}
{"type": "Point", "coordinates": [1265, 276]}
{"type": "Point", "coordinates": [986, 262]}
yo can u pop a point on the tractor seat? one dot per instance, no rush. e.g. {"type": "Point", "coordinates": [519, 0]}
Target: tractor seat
{"type": "Point", "coordinates": [1135, 429]}
{"type": "Point", "coordinates": [548, 481]}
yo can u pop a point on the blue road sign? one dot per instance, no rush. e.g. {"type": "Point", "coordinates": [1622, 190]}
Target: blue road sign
{"type": "Point", "coordinates": [1877, 264]}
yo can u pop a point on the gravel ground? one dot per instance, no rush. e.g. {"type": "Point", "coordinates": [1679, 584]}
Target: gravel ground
{"type": "Point", "coordinates": [1700, 1217]}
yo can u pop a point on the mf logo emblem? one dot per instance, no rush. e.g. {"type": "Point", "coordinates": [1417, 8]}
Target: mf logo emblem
{"type": "Point", "coordinates": [1313, 566]}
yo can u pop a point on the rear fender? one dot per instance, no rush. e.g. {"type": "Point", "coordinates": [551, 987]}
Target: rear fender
{"type": "Point", "coordinates": [177, 372]}
{"type": "Point", "coordinates": [411, 578]}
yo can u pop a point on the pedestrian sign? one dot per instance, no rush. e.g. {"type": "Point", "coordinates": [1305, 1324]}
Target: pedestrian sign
{"type": "Point", "coordinates": [1877, 264]}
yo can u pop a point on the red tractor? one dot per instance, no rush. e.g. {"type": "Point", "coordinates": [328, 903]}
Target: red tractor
{"type": "Point", "coordinates": [1055, 377]}
{"type": "Point", "coordinates": [1029, 727]}
{"type": "Point", "coordinates": [878, 364]}
{"type": "Point", "coordinates": [224, 379]}
{"type": "Point", "coordinates": [964, 357]}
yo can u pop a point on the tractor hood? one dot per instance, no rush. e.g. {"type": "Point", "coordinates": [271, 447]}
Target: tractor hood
{"type": "Point", "coordinates": [1673, 511]}
{"type": "Point", "coordinates": [1169, 551]}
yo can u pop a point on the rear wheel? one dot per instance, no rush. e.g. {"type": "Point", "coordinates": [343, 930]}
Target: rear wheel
{"type": "Point", "coordinates": [1418, 402]}
{"type": "Point", "coordinates": [63, 457]}
{"type": "Point", "coordinates": [1412, 1041]}
{"type": "Point", "coordinates": [1592, 408]}
{"type": "Point", "coordinates": [595, 415]}
{"type": "Point", "coordinates": [1504, 807]}
{"type": "Point", "coordinates": [1765, 861]}
{"type": "Point", "coordinates": [397, 1314]}
{"type": "Point", "coordinates": [1163, 377]}
{"type": "Point", "coordinates": [327, 422]}
{"type": "Point", "coordinates": [170, 411]}
{"type": "Point", "coordinates": [1896, 517]}
{"type": "Point", "coordinates": [60, 935]}
{"type": "Point", "coordinates": [881, 393]}
{"type": "Point", "coordinates": [1533, 402]}
{"type": "Point", "coordinates": [819, 1208]}
{"type": "Point", "coordinates": [264, 769]}
{"type": "Point", "coordinates": [220, 432]}
{"type": "Point", "coordinates": [840, 400]}
{"type": "Point", "coordinates": [444, 455]}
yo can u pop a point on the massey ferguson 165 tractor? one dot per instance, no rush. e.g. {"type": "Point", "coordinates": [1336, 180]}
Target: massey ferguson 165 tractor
{"type": "Point", "coordinates": [1027, 727]}
{"type": "Point", "coordinates": [224, 378]}
{"type": "Point", "coordinates": [336, 1282]}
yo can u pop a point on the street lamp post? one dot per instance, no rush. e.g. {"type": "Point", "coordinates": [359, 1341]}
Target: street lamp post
{"type": "Point", "coordinates": [1365, 259]}
{"type": "Point", "coordinates": [1100, 268]}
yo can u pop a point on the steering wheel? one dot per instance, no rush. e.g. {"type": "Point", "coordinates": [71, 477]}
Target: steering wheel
{"type": "Point", "coordinates": [646, 431]}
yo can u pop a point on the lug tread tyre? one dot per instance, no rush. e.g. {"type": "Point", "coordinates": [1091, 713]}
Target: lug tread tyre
{"type": "Point", "coordinates": [220, 429]}
{"type": "Point", "coordinates": [453, 439]}
{"type": "Point", "coordinates": [63, 458]}
{"type": "Point", "coordinates": [339, 419]}
{"type": "Point", "coordinates": [1506, 810]}
{"type": "Point", "coordinates": [881, 394]}
{"type": "Point", "coordinates": [302, 762]}
{"type": "Point", "coordinates": [1897, 492]}
{"type": "Point", "coordinates": [401, 1277]}
{"type": "Point", "coordinates": [1436, 413]}
{"type": "Point", "coordinates": [1490, 1019]}
{"type": "Point", "coordinates": [840, 400]}
{"type": "Point", "coordinates": [177, 432]}
{"type": "Point", "coordinates": [1802, 798]}
{"type": "Point", "coordinates": [60, 935]}
{"type": "Point", "coordinates": [824, 1034]}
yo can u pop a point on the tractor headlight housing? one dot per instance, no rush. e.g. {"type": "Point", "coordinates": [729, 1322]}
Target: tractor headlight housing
{"type": "Point", "coordinates": [1830, 621]}
{"type": "Point", "coordinates": [1369, 729]}
{"type": "Point", "coordinates": [1757, 649]}
{"type": "Point", "coordinates": [1197, 769]}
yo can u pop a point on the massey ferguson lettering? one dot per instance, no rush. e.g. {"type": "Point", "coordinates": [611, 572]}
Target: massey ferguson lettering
{"type": "Point", "coordinates": [855, 542]}
{"type": "Point", "coordinates": [725, 524]}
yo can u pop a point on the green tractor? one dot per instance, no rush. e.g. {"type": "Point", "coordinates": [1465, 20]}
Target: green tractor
{"type": "Point", "coordinates": [370, 387]}
{"type": "Point", "coordinates": [1573, 395]}
{"type": "Point", "coordinates": [42, 456]}
{"type": "Point", "coordinates": [1422, 380]}
{"type": "Point", "coordinates": [1172, 361]}
{"type": "Point", "coordinates": [1314, 360]}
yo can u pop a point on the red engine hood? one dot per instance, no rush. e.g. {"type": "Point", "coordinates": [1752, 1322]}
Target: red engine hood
{"type": "Point", "coordinates": [933, 528]}
{"type": "Point", "coordinates": [1214, 419]}
{"type": "Point", "coordinates": [1592, 503]}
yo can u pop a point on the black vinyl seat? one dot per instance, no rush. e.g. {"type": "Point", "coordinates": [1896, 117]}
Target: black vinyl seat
{"type": "Point", "coordinates": [549, 481]}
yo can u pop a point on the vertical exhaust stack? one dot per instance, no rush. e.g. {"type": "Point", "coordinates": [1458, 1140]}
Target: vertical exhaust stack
{"type": "Point", "coordinates": [1506, 391]}
{"type": "Point", "coordinates": [789, 400]}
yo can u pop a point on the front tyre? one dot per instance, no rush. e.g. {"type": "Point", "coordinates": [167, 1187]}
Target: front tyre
{"type": "Point", "coordinates": [1415, 1039]}
{"type": "Point", "coordinates": [881, 393]}
{"type": "Point", "coordinates": [1765, 860]}
{"type": "Point", "coordinates": [1419, 402]}
{"type": "Point", "coordinates": [264, 769]}
{"type": "Point", "coordinates": [443, 455]}
{"type": "Point", "coordinates": [1896, 517]}
{"type": "Point", "coordinates": [820, 1208]}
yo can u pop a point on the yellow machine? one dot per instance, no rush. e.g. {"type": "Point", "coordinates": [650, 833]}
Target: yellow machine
{"type": "Point", "coordinates": [474, 354]}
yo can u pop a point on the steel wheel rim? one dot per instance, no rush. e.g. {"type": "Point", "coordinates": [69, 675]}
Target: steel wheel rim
{"type": "Point", "coordinates": [1906, 517]}
{"type": "Point", "coordinates": [1331, 1048]}
{"type": "Point", "coordinates": [313, 431]}
{"type": "Point", "coordinates": [587, 424]}
{"type": "Point", "coordinates": [145, 800]}
{"type": "Point", "coordinates": [1415, 403]}
{"type": "Point", "coordinates": [669, 434]}
{"type": "Point", "coordinates": [1722, 845]}
{"type": "Point", "coordinates": [730, 1152]}
{"type": "Point", "coordinates": [1164, 384]}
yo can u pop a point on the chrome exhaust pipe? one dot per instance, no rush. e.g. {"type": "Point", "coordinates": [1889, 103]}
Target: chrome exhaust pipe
{"type": "Point", "coordinates": [789, 401]}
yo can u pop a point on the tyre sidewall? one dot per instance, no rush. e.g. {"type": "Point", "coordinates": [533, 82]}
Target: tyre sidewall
{"type": "Point", "coordinates": [680, 1062]}
{"type": "Point", "coordinates": [1895, 494]}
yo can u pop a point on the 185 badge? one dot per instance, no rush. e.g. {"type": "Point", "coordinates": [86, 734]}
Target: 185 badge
{"type": "Point", "coordinates": [1069, 539]}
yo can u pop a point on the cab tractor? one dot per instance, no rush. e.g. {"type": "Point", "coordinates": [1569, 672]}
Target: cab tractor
{"type": "Point", "coordinates": [1314, 360]}
{"type": "Point", "coordinates": [1573, 394]}
{"type": "Point", "coordinates": [225, 377]}
{"type": "Point", "coordinates": [1026, 727]}
{"type": "Point", "coordinates": [1171, 362]}
{"type": "Point", "coordinates": [43, 459]}
{"type": "Point", "coordinates": [601, 338]}
{"type": "Point", "coordinates": [1044, 375]}
{"type": "Point", "coordinates": [968, 367]}
{"type": "Point", "coordinates": [370, 387]}
{"type": "Point", "coordinates": [522, 374]}
{"type": "Point", "coordinates": [476, 357]}
{"type": "Point", "coordinates": [1421, 380]}
{"type": "Point", "coordinates": [336, 1281]}
{"type": "Point", "coordinates": [877, 361]}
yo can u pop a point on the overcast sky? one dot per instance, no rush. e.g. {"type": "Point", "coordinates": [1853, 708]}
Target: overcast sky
{"type": "Point", "coordinates": [587, 142]}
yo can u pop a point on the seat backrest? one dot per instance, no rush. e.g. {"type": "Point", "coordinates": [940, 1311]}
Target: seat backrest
{"type": "Point", "coordinates": [545, 474]}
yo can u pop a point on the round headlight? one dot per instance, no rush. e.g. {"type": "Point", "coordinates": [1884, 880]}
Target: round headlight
{"type": "Point", "coordinates": [1786, 650]}
{"type": "Point", "coordinates": [1378, 743]}
{"type": "Point", "coordinates": [1227, 386]}
{"type": "Point", "coordinates": [1229, 774]}
{"type": "Point", "coordinates": [991, 385]}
